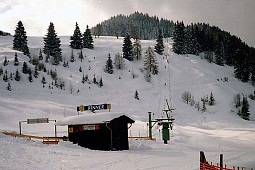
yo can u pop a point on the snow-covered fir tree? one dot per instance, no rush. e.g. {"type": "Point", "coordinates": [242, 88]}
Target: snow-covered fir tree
{"type": "Point", "coordinates": [191, 45]}
{"type": "Point", "coordinates": [88, 39]}
{"type": "Point", "coordinates": [245, 113]}
{"type": "Point", "coordinates": [16, 60]}
{"type": "Point", "coordinates": [204, 106]}
{"type": "Point", "coordinates": [52, 44]}
{"type": "Point", "coordinates": [83, 79]}
{"type": "Point", "coordinates": [211, 100]}
{"type": "Point", "coordinates": [219, 54]}
{"type": "Point", "coordinates": [76, 39]}
{"type": "Point", "coordinates": [100, 83]}
{"type": "Point", "coordinates": [43, 80]}
{"type": "Point", "coordinates": [137, 49]}
{"type": "Point", "coordinates": [94, 79]}
{"type": "Point", "coordinates": [9, 88]}
{"type": "Point", "coordinates": [109, 65]}
{"type": "Point", "coordinates": [159, 47]}
{"type": "Point", "coordinates": [25, 68]}
{"type": "Point", "coordinates": [150, 61]}
{"type": "Point", "coordinates": [127, 48]}
{"type": "Point", "coordinates": [136, 95]}
{"type": "Point", "coordinates": [20, 39]}
{"type": "Point", "coordinates": [36, 73]}
{"type": "Point", "coordinates": [5, 77]}
{"type": "Point", "coordinates": [40, 55]}
{"type": "Point", "coordinates": [30, 77]}
{"type": "Point", "coordinates": [179, 38]}
{"type": "Point", "coordinates": [17, 76]}
{"type": "Point", "coordinates": [5, 61]}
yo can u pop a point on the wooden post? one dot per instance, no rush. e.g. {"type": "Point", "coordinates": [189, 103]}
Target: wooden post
{"type": "Point", "coordinates": [55, 129]}
{"type": "Point", "coordinates": [221, 161]}
{"type": "Point", "coordinates": [20, 128]}
{"type": "Point", "coordinates": [202, 157]}
{"type": "Point", "coordinates": [150, 126]}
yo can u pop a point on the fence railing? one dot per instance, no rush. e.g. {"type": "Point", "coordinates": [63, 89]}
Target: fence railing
{"type": "Point", "coordinates": [205, 165]}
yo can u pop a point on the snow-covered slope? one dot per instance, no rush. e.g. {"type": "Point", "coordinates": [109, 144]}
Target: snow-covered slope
{"type": "Point", "coordinates": [218, 130]}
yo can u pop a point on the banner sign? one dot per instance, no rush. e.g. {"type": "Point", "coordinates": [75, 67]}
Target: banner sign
{"type": "Point", "coordinates": [94, 107]}
{"type": "Point", "coordinates": [91, 127]}
{"type": "Point", "coordinates": [39, 120]}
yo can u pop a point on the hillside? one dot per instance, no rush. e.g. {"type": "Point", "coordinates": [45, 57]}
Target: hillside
{"type": "Point", "coordinates": [218, 130]}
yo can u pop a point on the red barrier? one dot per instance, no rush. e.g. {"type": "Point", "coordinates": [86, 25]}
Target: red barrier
{"type": "Point", "coordinates": [210, 166]}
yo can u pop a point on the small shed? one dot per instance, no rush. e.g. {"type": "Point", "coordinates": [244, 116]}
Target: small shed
{"type": "Point", "coordinates": [99, 131]}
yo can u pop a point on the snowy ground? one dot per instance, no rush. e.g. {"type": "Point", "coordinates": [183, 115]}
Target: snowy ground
{"type": "Point", "coordinates": [218, 130]}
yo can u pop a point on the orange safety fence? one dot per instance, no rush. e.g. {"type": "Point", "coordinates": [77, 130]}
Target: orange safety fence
{"type": "Point", "coordinates": [46, 140]}
{"type": "Point", "coordinates": [141, 137]}
{"type": "Point", "coordinates": [210, 166]}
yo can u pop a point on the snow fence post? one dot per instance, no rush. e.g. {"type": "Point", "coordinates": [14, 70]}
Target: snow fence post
{"type": "Point", "coordinates": [150, 126]}
{"type": "Point", "coordinates": [221, 161]}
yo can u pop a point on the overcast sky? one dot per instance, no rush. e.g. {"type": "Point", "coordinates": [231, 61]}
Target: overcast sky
{"type": "Point", "coordinates": [234, 16]}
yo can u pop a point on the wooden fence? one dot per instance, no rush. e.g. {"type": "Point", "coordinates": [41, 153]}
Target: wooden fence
{"type": "Point", "coordinates": [45, 140]}
{"type": "Point", "coordinates": [205, 165]}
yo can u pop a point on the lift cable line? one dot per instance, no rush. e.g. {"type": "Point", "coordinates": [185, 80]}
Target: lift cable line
{"type": "Point", "coordinates": [166, 120]}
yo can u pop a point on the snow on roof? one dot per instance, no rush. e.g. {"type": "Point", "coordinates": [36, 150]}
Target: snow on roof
{"type": "Point", "coordinates": [90, 118]}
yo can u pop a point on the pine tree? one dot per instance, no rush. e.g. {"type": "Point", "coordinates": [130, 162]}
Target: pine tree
{"type": "Point", "coordinates": [109, 66]}
{"type": "Point", "coordinates": [25, 68]}
{"type": "Point", "coordinates": [245, 113]}
{"type": "Point", "coordinates": [76, 39]}
{"type": "Point", "coordinates": [136, 95]}
{"type": "Point", "coordinates": [242, 63]}
{"type": "Point", "coordinates": [83, 79]}
{"type": "Point", "coordinates": [16, 60]}
{"type": "Point", "coordinates": [252, 53]}
{"type": "Point", "coordinates": [5, 61]}
{"type": "Point", "coordinates": [150, 61]}
{"type": "Point", "coordinates": [191, 43]}
{"type": "Point", "coordinates": [52, 44]}
{"type": "Point", "coordinates": [17, 75]}
{"type": "Point", "coordinates": [20, 39]}
{"type": "Point", "coordinates": [219, 54]}
{"type": "Point", "coordinates": [30, 77]}
{"type": "Point", "coordinates": [9, 88]}
{"type": "Point", "coordinates": [94, 79]}
{"type": "Point", "coordinates": [88, 39]}
{"type": "Point", "coordinates": [43, 80]}
{"type": "Point", "coordinates": [127, 48]}
{"type": "Point", "coordinates": [137, 49]}
{"type": "Point", "coordinates": [159, 48]}
{"type": "Point", "coordinates": [10, 76]}
{"type": "Point", "coordinates": [179, 38]}
{"type": "Point", "coordinates": [100, 84]}
{"type": "Point", "coordinates": [211, 100]}
{"type": "Point", "coordinates": [80, 69]}
{"type": "Point", "coordinates": [40, 55]}
{"type": "Point", "coordinates": [5, 78]}
{"type": "Point", "coordinates": [36, 73]}
{"type": "Point", "coordinates": [119, 61]}
{"type": "Point", "coordinates": [203, 107]}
